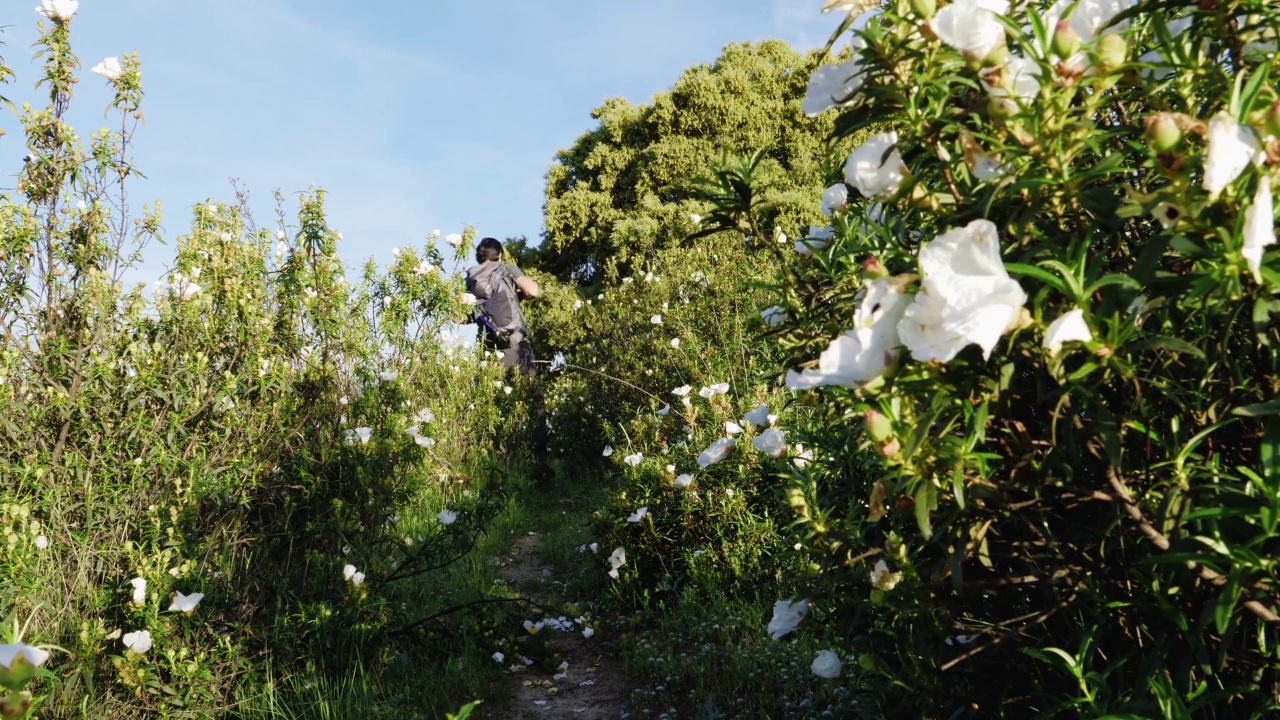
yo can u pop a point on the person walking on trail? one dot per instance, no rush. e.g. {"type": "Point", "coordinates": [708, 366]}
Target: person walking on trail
{"type": "Point", "coordinates": [498, 288]}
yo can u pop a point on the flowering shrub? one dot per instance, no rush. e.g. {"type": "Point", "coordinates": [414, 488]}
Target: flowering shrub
{"type": "Point", "coordinates": [1037, 353]}
{"type": "Point", "coordinates": [190, 466]}
{"type": "Point", "coordinates": [691, 502]}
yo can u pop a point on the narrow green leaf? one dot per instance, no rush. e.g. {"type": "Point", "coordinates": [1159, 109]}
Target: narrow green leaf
{"type": "Point", "coordinates": [1262, 409]}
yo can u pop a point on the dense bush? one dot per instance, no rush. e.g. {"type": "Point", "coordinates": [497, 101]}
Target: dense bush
{"type": "Point", "coordinates": [221, 479]}
{"type": "Point", "coordinates": [1037, 356]}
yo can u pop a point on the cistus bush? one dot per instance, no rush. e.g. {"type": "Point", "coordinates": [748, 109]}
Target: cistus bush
{"type": "Point", "coordinates": [1036, 351]}
{"type": "Point", "coordinates": [218, 479]}
{"type": "Point", "coordinates": [659, 368]}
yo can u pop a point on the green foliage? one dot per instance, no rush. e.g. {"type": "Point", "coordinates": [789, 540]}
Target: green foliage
{"type": "Point", "coordinates": [245, 429]}
{"type": "Point", "coordinates": [621, 192]}
{"type": "Point", "coordinates": [1081, 530]}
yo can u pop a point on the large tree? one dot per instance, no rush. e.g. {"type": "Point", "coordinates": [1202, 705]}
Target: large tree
{"type": "Point", "coordinates": [621, 192]}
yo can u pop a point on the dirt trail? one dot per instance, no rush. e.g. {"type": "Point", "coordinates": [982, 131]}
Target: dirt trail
{"type": "Point", "coordinates": [594, 686]}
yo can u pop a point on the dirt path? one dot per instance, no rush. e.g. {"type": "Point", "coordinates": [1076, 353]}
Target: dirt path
{"type": "Point", "coordinates": [592, 686]}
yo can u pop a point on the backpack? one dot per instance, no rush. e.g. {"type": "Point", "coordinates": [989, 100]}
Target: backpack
{"type": "Point", "coordinates": [497, 302]}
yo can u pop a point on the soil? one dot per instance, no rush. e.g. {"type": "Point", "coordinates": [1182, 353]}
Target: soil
{"type": "Point", "coordinates": [595, 686]}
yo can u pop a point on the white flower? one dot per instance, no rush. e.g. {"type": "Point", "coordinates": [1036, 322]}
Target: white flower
{"type": "Point", "coordinates": [826, 665]}
{"type": "Point", "coordinates": [773, 316]}
{"type": "Point", "coordinates": [362, 434]}
{"type": "Point", "coordinates": [1071, 327]}
{"type": "Point", "coordinates": [594, 547]}
{"type": "Point", "coordinates": [787, 617]}
{"type": "Point", "coordinates": [666, 409]}
{"type": "Point", "coordinates": [638, 515]}
{"type": "Point", "coordinates": [32, 655]}
{"type": "Point", "coordinates": [684, 480]}
{"type": "Point", "coordinates": [447, 517]}
{"type": "Point", "coordinates": [971, 27]}
{"type": "Point", "coordinates": [469, 299]}
{"type": "Point", "coordinates": [499, 657]}
{"type": "Point", "coordinates": [454, 239]}
{"type": "Point", "coordinates": [720, 388]}
{"type": "Point", "coordinates": [835, 85]}
{"type": "Point", "coordinates": [864, 352]}
{"type": "Point", "coordinates": [800, 456]}
{"type": "Point", "coordinates": [771, 442]}
{"type": "Point", "coordinates": [1231, 148]}
{"type": "Point", "coordinates": [388, 376]}
{"type": "Point", "coordinates": [1259, 227]}
{"type": "Point", "coordinates": [706, 393]}
{"type": "Point", "coordinates": [577, 305]}
{"type": "Point", "coordinates": [558, 362]}
{"type": "Point", "coordinates": [348, 571]}
{"type": "Point", "coordinates": [1018, 80]}
{"type": "Point", "coordinates": [109, 68]}
{"type": "Point", "coordinates": [139, 590]}
{"type": "Point", "coordinates": [424, 268]}
{"type": "Point", "coordinates": [616, 560]}
{"type": "Point", "coordinates": [835, 198]}
{"type": "Point", "coordinates": [42, 542]}
{"type": "Point", "coordinates": [58, 10]}
{"type": "Point", "coordinates": [424, 416]}
{"type": "Point", "coordinates": [967, 296]}
{"type": "Point", "coordinates": [716, 452]}
{"type": "Point", "coordinates": [876, 168]}
{"type": "Point", "coordinates": [882, 578]}
{"type": "Point", "coordinates": [732, 428]}
{"type": "Point", "coordinates": [633, 460]}
{"type": "Point", "coordinates": [696, 218]}
{"type": "Point", "coordinates": [588, 632]}
{"type": "Point", "coordinates": [395, 252]}
{"type": "Point", "coordinates": [656, 320]}
{"type": "Point", "coordinates": [357, 579]}
{"type": "Point", "coordinates": [758, 417]}
{"type": "Point", "coordinates": [608, 450]}
{"type": "Point", "coordinates": [533, 627]}
{"type": "Point", "coordinates": [185, 603]}
{"type": "Point", "coordinates": [138, 641]}
{"type": "Point", "coordinates": [817, 240]}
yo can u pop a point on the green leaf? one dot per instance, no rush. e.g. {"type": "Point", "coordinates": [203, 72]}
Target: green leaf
{"type": "Point", "coordinates": [1262, 409]}
{"type": "Point", "coordinates": [1113, 279]}
{"type": "Point", "coordinates": [1225, 606]}
{"type": "Point", "coordinates": [1269, 451]}
{"type": "Point", "coordinates": [926, 498]}
{"type": "Point", "coordinates": [1172, 344]}
{"type": "Point", "coordinates": [1251, 90]}
{"type": "Point", "coordinates": [1040, 274]}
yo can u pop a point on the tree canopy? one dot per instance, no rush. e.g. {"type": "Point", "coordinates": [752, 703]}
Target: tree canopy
{"type": "Point", "coordinates": [621, 192]}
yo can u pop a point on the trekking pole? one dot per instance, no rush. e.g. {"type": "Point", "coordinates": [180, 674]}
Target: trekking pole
{"type": "Point", "coordinates": [604, 375]}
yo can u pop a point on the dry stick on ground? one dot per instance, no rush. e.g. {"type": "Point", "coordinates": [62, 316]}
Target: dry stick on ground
{"type": "Point", "coordinates": [1135, 513]}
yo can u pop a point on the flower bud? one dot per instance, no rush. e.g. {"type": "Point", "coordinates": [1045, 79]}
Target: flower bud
{"type": "Point", "coordinates": [1113, 51]}
{"type": "Point", "coordinates": [890, 448]}
{"type": "Point", "coordinates": [1163, 132]}
{"type": "Point", "coordinates": [1065, 42]}
{"type": "Point", "coordinates": [879, 427]}
{"type": "Point", "coordinates": [924, 8]}
{"type": "Point", "coordinates": [872, 269]}
{"type": "Point", "coordinates": [1273, 119]}
{"type": "Point", "coordinates": [795, 496]}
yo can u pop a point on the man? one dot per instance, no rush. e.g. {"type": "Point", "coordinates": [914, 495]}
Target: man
{"type": "Point", "coordinates": [498, 288]}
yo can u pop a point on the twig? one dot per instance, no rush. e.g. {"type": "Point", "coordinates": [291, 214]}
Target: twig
{"type": "Point", "coordinates": [1135, 513]}
{"type": "Point", "coordinates": [464, 606]}
{"type": "Point", "coordinates": [1038, 619]}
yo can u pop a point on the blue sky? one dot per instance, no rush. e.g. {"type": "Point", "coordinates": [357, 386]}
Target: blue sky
{"type": "Point", "coordinates": [413, 116]}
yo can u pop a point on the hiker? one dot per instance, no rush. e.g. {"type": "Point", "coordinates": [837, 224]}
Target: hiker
{"type": "Point", "coordinates": [498, 288]}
